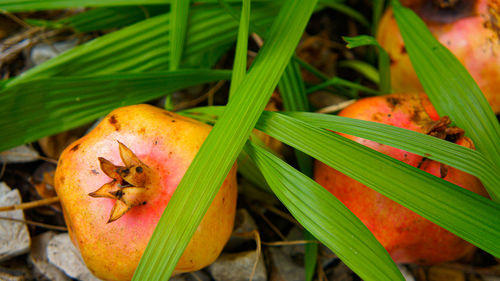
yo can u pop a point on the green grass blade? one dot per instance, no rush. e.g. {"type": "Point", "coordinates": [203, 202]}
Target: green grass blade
{"type": "Point", "coordinates": [145, 46]}
{"type": "Point", "coordinates": [337, 81]}
{"type": "Point", "coordinates": [450, 87]}
{"type": "Point", "coordinates": [383, 59]}
{"type": "Point", "coordinates": [327, 218]}
{"type": "Point", "coordinates": [240, 57]}
{"type": "Point", "coordinates": [43, 107]}
{"type": "Point", "coordinates": [364, 68]}
{"type": "Point", "coordinates": [378, 9]}
{"type": "Point", "coordinates": [293, 93]}
{"type": "Point", "coordinates": [223, 144]}
{"type": "Point", "coordinates": [345, 9]}
{"type": "Point", "coordinates": [470, 161]}
{"type": "Point", "coordinates": [468, 215]}
{"type": "Point", "coordinates": [111, 17]}
{"type": "Point", "coordinates": [179, 22]}
{"type": "Point", "coordinates": [467, 160]}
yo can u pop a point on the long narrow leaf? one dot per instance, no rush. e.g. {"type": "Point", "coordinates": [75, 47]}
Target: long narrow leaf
{"type": "Point", "coordinates": [293, 93]}
{"type": "Point", "coordinates": [240, 57]}
{"type": "Point", "coordinates": [179, 15]}
{"type": "Point", "coordinates": [145, 46]}
{"type": "Point", "coordinates": [222, 146]}
{"type": "Point", "coordinates": [327, 218]}
{"type": "Point", "coordinates": [450, 87]}
{"type": "Point", "coordinates": [467, 214]}
{"type": "Point", "coordinates": [43, 107]}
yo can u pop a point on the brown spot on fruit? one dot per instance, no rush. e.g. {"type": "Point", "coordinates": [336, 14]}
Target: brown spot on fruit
{"type": "Point", "coordinates": [113, 121]}
{"type": "Point", "coordinates": [403, 50]}
{"type": "Point", "coordinates": [75, 147]}
{"type": "Point", "coordinates": [392, 101]}
{"type": "Point", "coordinates": [94, 171]}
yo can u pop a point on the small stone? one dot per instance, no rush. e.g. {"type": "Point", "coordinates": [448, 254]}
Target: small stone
{"type": "Point", "coordinates": [43, 52]}
{"type": "Point", "coordinates": [16, 269]}
{"type": "Point", "coordinates": [243, 223]}
{"type": "Point", "coordinates": [438, 273]}
{"type": "Point", "coordinates": [63, 254]}
{"type": "Point", "coordinates": [38, 257]}
{"type": "Point", "coordinates": [406, 273]}
{"type": "Point", "coordinates": [238, 267]}
{"type": "Point", "coordinates": [284, 268]}
{"type": "Point", "coordinates": [192, 276]}
{"type": "Point", "coordinates": [19, 154]}
{"type": "Point", "coordinates": [14, 236]}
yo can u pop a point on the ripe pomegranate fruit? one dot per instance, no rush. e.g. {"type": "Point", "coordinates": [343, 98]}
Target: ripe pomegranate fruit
{"type": "Point", "coordinates": [470, 29]}
{"type": "Point", "coordinates": [115, 182]}
{"type": "Point", "coordinates": [408, 237]}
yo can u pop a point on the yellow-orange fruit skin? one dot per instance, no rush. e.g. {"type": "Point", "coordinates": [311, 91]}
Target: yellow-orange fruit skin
{"type": "Point", "coordinates": [474, 39]}
{"type": "Point", "coordinates": [166, 143]}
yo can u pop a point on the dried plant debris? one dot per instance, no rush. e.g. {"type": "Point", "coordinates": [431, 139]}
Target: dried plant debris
{"type": "Point", "coordinates": [14, 236]}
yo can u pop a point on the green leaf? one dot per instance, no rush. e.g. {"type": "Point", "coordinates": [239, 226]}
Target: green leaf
{"type": "Point", "coordinates": [293, 93]}
{"type": "Point", "coordinates": [111, 17]}
{"type": "Point", "coordinates": [179, 22]}
{"type": "Point", "coordinates": [449, 86]}
{"type": "Point", "coordinates": [383, 59]}
{"type": "Point", "coordinates": [145, 46]}
{"type": "Point", "coordinates": [223, 144]}
{"type": "Point", "coordinates": [337, 81]}
{"type": "Point", "coordinates": [364, 68]}
{"type": "Point", "coordinates": [240, 57]}
{"type": "Point", "coordinates": [326, 218]}
{"type": "Point", "coordinates": [378, 9]}
{"type": "Point", "coordinates": [345, 9]}
{"type": "Point", "coordinates": [43, 107]}
{"type": "Point", "coordinates": [467, 214]}
{"type": "Point", "coordinates": [462, 158]}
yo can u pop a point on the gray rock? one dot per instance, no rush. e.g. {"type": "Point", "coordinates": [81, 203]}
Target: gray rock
{"type": "Point", "coordinates": [16, 269]}
{"type": "Point", "coordinates": [20, 154]}
{"type": "Point", "coordinates": [14, 236]}
{"type": "Point", "coordinates": [43, 52]}
{"type": "Point", "coordinates": [243, 223]}
{"type": "Point", "coordinates": [63, 254]}
{"type": "Point", "coordinates": [192, 276]}
{"type": "Point", "coordinates": [38, 257]}
{"type": "Point", "coordinates": [284, 268]}
{"type": "Point", "coordinates": [238, 267]}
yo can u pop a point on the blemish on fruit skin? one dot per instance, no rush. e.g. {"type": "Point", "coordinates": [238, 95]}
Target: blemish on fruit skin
{"type": "Point", "coordinates": [94, 171]}
{"type": "Point", "coordinates": [138, 169]}
{"type": "Point", "coordinates": [393, 102]}
{"type": "Point", "coordinates": [113, 121]}
{"type": "Point", "coordinates": [75, 148]}
{"type": "Point", "coordinates": [403, 50]}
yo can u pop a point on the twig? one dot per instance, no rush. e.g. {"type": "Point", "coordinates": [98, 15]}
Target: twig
{"type": "Point", "coordinates": [11, 153]}
{"type": "Point", "coordinates": [4, 166]}
{"type": "Point", "coordinates": [335, 107]}
{"type": "Point", "coordinates": [258, 40]}
{"type": "Point", "coordinates": [269, 223]}
{"type": "Point", "coordinates": [201, 98]}
{"type": "Point", "coordinates": [255, 235]}
{"type": "Point", "coordinates": [44, 225]}
{"type": "Point", "coordinates": [30, 205]}
{"type": "Point", "coordinates": [290, 243]}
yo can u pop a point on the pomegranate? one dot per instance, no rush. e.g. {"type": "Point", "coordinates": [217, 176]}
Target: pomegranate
{"type": "Point", "coordinates": [408, 237]}
{"type": "Point", "coordinates": [470, 29]}
{"type": "Point", "coordinates": [115, 182]}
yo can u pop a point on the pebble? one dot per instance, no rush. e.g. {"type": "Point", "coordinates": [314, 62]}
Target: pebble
{"type": "Point", "coordinates": [14, 236]}
{"type": "Point", "coordinates": [238, 267]}
{"type": "Point", "coordinates": [284, 268]}
{"type": "Point", "coordinates": [63, 254]}
{"type": "Point", "coordinates": [243, 223]}
{"type": "Point", "coordinates": [43, 52]}
{"type": "Point", "coordinates": [19, 154]}
{"type": "Point", "coordinates": [38, 257]}
{"type": "Point", "coordinates": [406, 272]}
